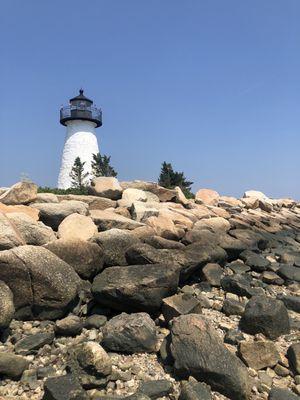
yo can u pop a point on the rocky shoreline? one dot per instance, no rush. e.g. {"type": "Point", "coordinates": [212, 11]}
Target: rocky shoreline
{"type": "Point", "coordinates": [137, 292]}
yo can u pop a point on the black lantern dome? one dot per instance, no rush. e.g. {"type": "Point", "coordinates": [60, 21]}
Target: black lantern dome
{"type": "Point", "coordinates": [81, 108]}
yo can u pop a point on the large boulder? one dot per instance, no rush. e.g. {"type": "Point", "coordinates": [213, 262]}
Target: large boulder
{"type": "Point", "coordinates": [76, 226]}
{"type": "Point", "coordinates": [141, 211]}
{"type": "Point", "coordinates": [265, 315]}
{"type": "Point", "coordinates": [207, 196]}
{"type": "Point", "coordinates": [198, 351]}
{"type": "Point", "coordinates": [180, 304]}
{"type": "Point", "coordinates": [277, 393]}
{"type": "Point", "coordinates": [135, 288]}
{"type": "Point", "coordinates": [215, 224]}
{"type": "Point", "coordinates": [64, 387]}
{"type": "Point", "coordinates": [20, 193]}
{"type": "Point", "coordinates": [7, 308]}
{"type": "Point", "coordinates": [106, 219]}
{"type": "Point", "coordinates": [31, 212]}
{"type": "Point", "coordinates": [52, 214]}
{"type": "Point", "coordinates": [39, 280]}
{"type": "Point", "coordinates": [193, 390]}
{"type": "Point", "coordinates": [94, 202]}
{"type": "Point", "coordinates": [130, 333]}
{"type": "Point", "coordinates": [32, 343]}
{"type": "Point", "coordinates": [115, 243]}
{"type": "Point", "coordinates": [165, 227]}
{"type": "Point", "coordinates": [106, 187]}
{"type": "Point", "coordinates": [255, 194]}
{"type": "Point", "coordinates": [162, 193]}
{"type": "Point", "coordinates": [12, 366]}
{"type": "Point", "coordinates": [289, 273]}
{"type": "Point", "coordinates": [293, 355]}
{"type": "Point", "coordinates": [9, 235]}
{"type": "Point", "coordinates": [32, 232]}
{"type": "Point", "coordinates": [85, 257]}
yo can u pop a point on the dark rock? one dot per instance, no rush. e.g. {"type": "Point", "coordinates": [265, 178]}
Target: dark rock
{"type": "Point", "coordinates": [95, 321]}
{"type": "Point", "coordinates": [291, 302]}
{"type": "Point", "coordinates": [293, 355]}
{"type": "Point", "coordinates": [115, 243]}
{"type": "Point", "coordinates": [39, 280]}
{"type": "Point", "coordinates": [180, 304]}
{"type": "Point", "coordinates": [85, 257]}
{"type": "Point", "coordinates": [12, 366]}
{"type": "Point", "coordinates": [194, 391]}
{"type": "Point", "coordinates": [165, 352]}
{"type": "Point", "coordinates": [212, 273]}
{"type": "Point", "coordinates": [45, 372]}
{"type": "Point", "coordinates": [156, 389]}
{"type": "Point", "coordinates": [198, 351]}
{"type": "Point", "coordinates": [239, 285]}
{"type": "Point", "coordinates": [282, 394]}
{"type": "Point", "coordinates": [7, 308]}
{"type": "Point", "coordinates": [271, 278]}
{"type": "Point", "coordinates": [233, 247]}
{"type": "Point", "coordinates": [289, 273]}
{"type": "Point", "coordinates": [254, 260]}
{"type": "Point", "coordinates": [30, 344]}
{"type": "Point", "coordinates": [69, 326]}
{"type": "Point", "coordinates": [265, 315]}
{"type": "Point", "coordinates": [64, 387]}
{"type": "Point", "coordinates": [135, 288]}
{"type": "Point", "coordinates": [233, 336]}
{"type": "Point", "coordinates": [290, 257]}
{"type": "Point", "coordinates": [130, 333]}
{"type": "Point", "coordinates": [259, 354]}
{"type": "Point", "coordinates": [233, 307]}
{"type": "Point", "coordinates": [238, 267]}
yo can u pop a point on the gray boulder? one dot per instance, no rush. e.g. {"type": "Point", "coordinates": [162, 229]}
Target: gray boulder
{"type": "Point", "coordinates": [135, 288]}
{"type": "Point", "coordinates": [193, 390]}
{"type": "Point", "coordinates": [7, 308]}
{"type": "Point", "coordinates": [130, 333]}
{"type": "Point", "coordinates": [19, 193]}
{"type": "Point", "coordinates": [9, 235]}
{"type": "Point", "coordinates": [12, 366]}
{"type": "Point", "coordinates": [282, 394]}
{"type": "Point", "coordinates": [32, 343]}
{"type": "Point", "coordinates": [198, 351]}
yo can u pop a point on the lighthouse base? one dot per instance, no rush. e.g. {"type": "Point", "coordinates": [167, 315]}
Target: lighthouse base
{"type": "Point", "coordinates": [80, 141]}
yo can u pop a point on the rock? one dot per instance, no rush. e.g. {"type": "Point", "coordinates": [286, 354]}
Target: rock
{"type": "Point", "coordinates": [289, 273]}
{"type": "Point", "coordinates": [194, 391]}
{"type": "Point", "coordinates": [282, 394]}
{"type": "Point", "coordinates": [233, 307]}
{"type": "Point", "coordinates": [156, 389]}
{"type": "Point", "coordinates": [265, 315]}
{"type": "Point", "coordinates": [293, 355]}
{"type": "Point", "coordinates": [163, 194]}
{"type": "Point", "coordinates": [32, 232]}
{"type": "Point", "coordinates": [215, 224]}
{"type": "Point", "coordinates": [31, 212]}
{"type": "Point", "coordinates": [212, 274]}
{"type": "Point", "coordinates": [12, 366]}
{"type": "Point", "coordinates": [93, 202]}
{"type": "Point", "coordinates": [255, 261]}
{"type": "Point", "coordinates": [198, 351]}
{"type": "Point", "coordinates": [238, 284]}
{"type": "Point", "coordinates": [95, 321]}
{"type": "Point", "coordinates": [141, 211]}
{"type": "Point", "coordinates": [130, 333]}
{"type": "Point", "coordinates": [9, 236]}
{"type": "Point", "coordinates": [46, 198]}
{"type": "Point", "coordinates": [64, 387]}
{"type": "Point", "coordinates": [131, 195]}
{"type": "Point", "coordinates": [32, 343]}
{"type": "Point", "coordinates": [165, 227]}
{"type": "Point", "coordinates": [69, 326]}
{"type": "Point", "coordinates": [271, 278]}
{"type": "Point", "coordinates": [238, 267]}
{"type": "Point", "coordinates": [52, 214]}
{"type": "Point", "coordinates": [19, 193]}
{"type": "Point", "coordinates": [234, 337]}
{"type": "Point", "coordinates": [7, 308]}
{"type": "Point", "coordinates": [86, 258]}
{"type": "Point", "coordinates": [255, 194]}
{"type": "Point", "coordinates": [259, 354]}
{"type": "Point", "coordinates": [108, 187]}
{"type": "Point", "coordinates": [76, 226]}
{"type": "Point", "coordinates": [108, 219]}
{"type": "Point", "coordinates": [162, 243]}
{"type": "Point", "coordinates": [291, 302]}
{"type": "Point", "coordinates": [208, 197]}
{"type": "Point", "coordinates": [94, 359]}
{"type": "Point", "coordinates": [135, 288]}
{"type": "Point", "coordinates": [180, 196]}
{"type": "Point", "coordinates": [39, 280]}
{"type": "Point", "coordinates": [180, 304]}
{"type": "Point", "coordinates": [115, 243]}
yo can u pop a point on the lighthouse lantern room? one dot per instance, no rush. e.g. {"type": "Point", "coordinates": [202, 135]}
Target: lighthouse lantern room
{"type": "Point", "coordinates": [81, 119]}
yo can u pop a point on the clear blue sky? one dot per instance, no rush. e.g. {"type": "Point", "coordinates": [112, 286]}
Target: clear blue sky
{"type": "Point", "coordinates": [211, 86]}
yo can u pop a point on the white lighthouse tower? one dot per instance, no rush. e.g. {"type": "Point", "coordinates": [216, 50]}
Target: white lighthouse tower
{"type": "Point", "coordinates": [81, 119]}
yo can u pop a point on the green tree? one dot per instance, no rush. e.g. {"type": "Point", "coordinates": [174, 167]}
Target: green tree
{"type": "Point", "coordinates": [101, 166]}
{"type": "Point", "coordinates": [169, 179]}
{"type": "Point", "coordinates": [78, 175]}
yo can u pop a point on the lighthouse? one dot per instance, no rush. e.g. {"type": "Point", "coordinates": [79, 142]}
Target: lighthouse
{"type": "Point", "coordinates": [81, 119]}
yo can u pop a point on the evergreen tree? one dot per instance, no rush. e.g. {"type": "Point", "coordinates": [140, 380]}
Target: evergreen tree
{"type": "Point", "coordinates": [78, 175]}
{"type": "Point", "coordinates": [101, 166]}
{"type": "Point", "coordinates": [170, 179]}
